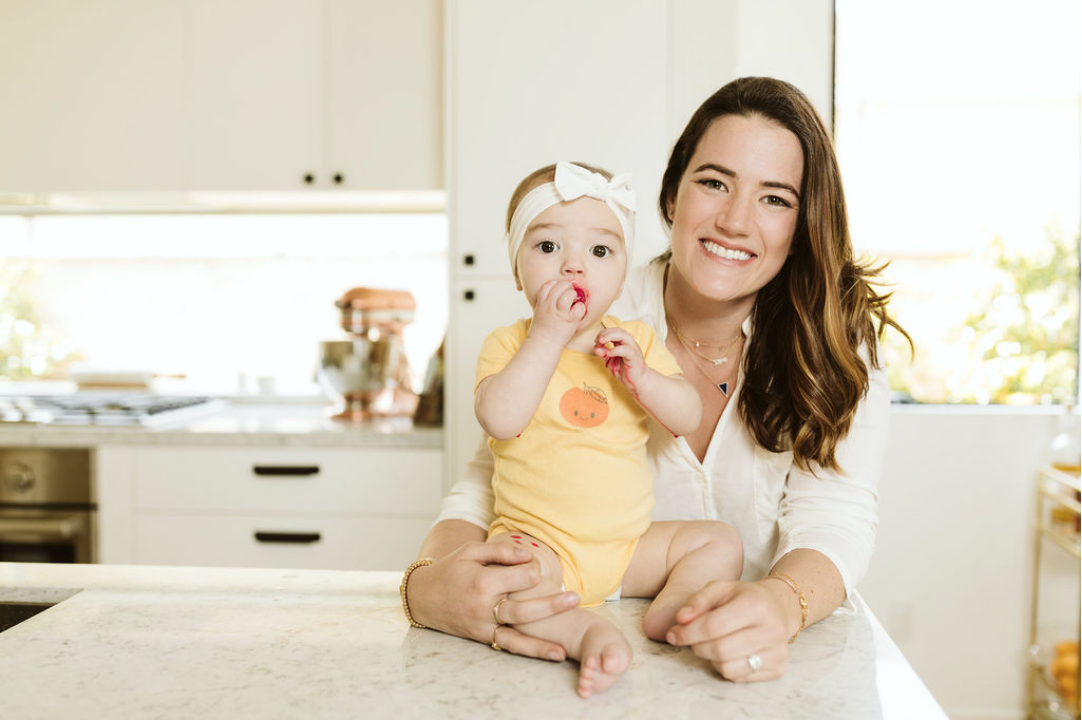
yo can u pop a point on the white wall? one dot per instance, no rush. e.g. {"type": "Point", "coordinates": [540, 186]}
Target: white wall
{"type": "Point", "coordinates": [951, 576]}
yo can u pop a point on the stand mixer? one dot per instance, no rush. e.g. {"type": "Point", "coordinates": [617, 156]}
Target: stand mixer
{"type": "Point", "coordinates": [367, 375]}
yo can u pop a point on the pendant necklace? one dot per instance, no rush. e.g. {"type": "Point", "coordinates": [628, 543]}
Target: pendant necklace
{"type": "Point", "coordinates": [691, 346]}
{"type": "Point", "coordinates": [721, 386]}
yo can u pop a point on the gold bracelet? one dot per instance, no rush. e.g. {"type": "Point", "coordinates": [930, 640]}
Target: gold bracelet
{"type": "Point", "coordinates": [795, 587]}
{"type": "Point", "coordinates": [422, 562]}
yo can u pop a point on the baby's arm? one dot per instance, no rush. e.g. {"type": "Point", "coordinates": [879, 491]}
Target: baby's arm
{"type": "Point", "coordinates": [506, 401]}
{"type": "Point", "coordinates": [671, 399]}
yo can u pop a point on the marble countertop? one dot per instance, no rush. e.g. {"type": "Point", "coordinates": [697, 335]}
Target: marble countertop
{"type": "Point", "coordinates": [236, 423]}
{"type": "Point", "coordinates": [150, 642]}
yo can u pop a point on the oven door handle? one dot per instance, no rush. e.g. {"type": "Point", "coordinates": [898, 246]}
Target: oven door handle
{"type": "Point", "coordinates": [56, 526]}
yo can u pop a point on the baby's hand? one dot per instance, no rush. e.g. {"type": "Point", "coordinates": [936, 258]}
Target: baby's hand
{"type": "Point", "coordinates": [558, 310]}
{"type": "Point", "coordinates": [622, 355]}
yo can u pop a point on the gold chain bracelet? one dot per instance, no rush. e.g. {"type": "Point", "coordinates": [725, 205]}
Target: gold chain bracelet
{"type": "Point", "coordinates": [795, 587]}
{"type": "Point", "coordinates": [422, 562]}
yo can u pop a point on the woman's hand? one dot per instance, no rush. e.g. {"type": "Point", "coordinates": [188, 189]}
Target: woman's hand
{"type": "Point", "coordinates": [457, 593]}
{"type": "Point", "coordinates": [728, 622]}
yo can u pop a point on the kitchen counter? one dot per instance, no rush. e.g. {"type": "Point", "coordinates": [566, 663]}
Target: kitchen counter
{"type": "Point", "coordinates": [292, 424]}
{"type": "Point", "coordinates": [151, 642]}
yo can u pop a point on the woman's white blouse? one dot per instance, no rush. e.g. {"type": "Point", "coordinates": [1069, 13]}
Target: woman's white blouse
{"type": "Point", "coordinates": [775, 506]}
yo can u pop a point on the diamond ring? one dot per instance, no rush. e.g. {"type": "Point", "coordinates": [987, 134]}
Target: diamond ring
{"type": "Point", "coordinates": [755, 662]}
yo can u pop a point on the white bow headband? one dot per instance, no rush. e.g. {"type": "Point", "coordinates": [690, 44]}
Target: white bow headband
{"type": "Point", "coordinates": [571, 183]}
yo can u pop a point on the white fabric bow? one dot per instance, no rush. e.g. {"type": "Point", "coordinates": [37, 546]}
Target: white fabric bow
{"type": "Point", "coordinates": [572, 182]}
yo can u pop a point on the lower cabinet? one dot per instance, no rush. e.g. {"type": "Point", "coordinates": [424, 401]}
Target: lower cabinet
{"type": "Point", "coordinates": [348, 509]}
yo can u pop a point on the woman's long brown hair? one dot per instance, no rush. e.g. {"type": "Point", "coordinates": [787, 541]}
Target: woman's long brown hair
{"type": "Point", "coordinates": [803, 373]}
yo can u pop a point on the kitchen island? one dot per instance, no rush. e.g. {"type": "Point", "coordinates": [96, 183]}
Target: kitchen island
{"type": "Point", "coordinates": [150, 642]}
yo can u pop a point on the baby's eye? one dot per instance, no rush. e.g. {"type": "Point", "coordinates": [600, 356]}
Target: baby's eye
{"type": "Point", "coordinates": [546, 246]}
{"type": "Point", "coordinates": [601, 251]}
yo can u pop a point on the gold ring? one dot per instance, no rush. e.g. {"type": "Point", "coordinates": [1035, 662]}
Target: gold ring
{"type": "Point", "coordinates": [496, 610]}
{"type": "Point", "coordinates": [496, 645]}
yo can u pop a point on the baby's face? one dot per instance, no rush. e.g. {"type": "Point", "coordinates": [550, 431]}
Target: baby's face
{"type": "Point", "coordinates": [579, 242]}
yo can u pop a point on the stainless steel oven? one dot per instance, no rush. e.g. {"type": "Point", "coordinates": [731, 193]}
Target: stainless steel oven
{"type": "Point", "coordinates": [47, 508]}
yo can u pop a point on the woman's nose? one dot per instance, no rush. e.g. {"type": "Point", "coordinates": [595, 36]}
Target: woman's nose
{"type": "Point", "coordinates": [734, 216]}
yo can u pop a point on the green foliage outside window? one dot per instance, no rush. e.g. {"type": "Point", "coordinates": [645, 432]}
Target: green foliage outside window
{"type": "Point", "coordinates": [1018, 340]}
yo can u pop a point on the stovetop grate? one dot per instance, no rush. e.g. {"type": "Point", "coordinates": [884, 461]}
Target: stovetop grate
{"type": "Point", "coordinates": [104, 408]}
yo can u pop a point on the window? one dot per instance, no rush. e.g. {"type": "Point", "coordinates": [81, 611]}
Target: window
{"type": "Point", "coordinates": [957, 128]}
{"type": "Point", "coordinates": [220, 299]}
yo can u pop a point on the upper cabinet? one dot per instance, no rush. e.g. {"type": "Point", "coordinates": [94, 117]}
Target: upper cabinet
{"type": "Point", "coordinates": [295, 94]}
{"type": "Point", "coordinates": [238, 95]}
{"type": "Point", "coordinates": [534, 83]}
{"type": "Point", "coordinates": [92, 93]}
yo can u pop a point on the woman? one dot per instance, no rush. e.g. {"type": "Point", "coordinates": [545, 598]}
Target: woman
{"type": "Point", "coordinates": [762, 304]}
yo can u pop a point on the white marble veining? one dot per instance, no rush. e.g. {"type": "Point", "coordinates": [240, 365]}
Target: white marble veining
{"type": "Point", "coordinates": [144, 642]}
{"type": "Point", "coordinates": [285, 425]}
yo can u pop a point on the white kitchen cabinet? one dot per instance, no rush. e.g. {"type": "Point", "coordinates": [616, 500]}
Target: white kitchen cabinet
{"type": "Point", "coordinates": [226, 95]}
{"type": "Point", "coordinates": [329, 508]}
{"type": "Point", "coordinates": [322, 94]}
{"type": "Point", "coordinates": [93, 95]}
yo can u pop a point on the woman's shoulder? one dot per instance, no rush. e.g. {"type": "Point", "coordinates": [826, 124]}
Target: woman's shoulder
{"type": "Point", "coordinates": [643, 297]}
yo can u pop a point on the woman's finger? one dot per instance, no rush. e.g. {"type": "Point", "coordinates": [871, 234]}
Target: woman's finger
{"type": "Point", "coordinates": [734, 646]}
{"type": "Point", "coordinates": [771, 666]}
{"type": "Point", "coordinates": [518, 612]}
{"type": "Point", "coordinates": [495, 553]}
{"type": "Point", "coordinates": [702, 618]}
{"type": "Point", "coordinates": [510, 639]}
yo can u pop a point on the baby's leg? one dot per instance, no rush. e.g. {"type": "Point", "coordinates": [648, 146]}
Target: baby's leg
{"type": "Point", "coordinates": [602, 651]}
{"type": "Point", "coordinates": [674, 560]}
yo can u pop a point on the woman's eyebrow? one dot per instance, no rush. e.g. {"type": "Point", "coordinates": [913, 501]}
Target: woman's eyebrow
{"type": "Point", "coordinates": [732, 173]}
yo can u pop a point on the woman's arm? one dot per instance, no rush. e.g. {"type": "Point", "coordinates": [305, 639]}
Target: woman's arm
{"type": "Point", "coordinates": [827, 530]}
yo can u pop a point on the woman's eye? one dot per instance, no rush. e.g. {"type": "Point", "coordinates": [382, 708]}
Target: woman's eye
{"type": "Point", "coordinates": [777, 201]}
{"type": "Point", "coordinates": [546, 246]}
{"type": "Point", "coordinates": [712, 183]}
{"type": "Point", "coordinates": [601, 251]}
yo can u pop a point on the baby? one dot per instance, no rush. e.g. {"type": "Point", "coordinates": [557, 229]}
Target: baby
{"type": "Point", "coordinates": [564, 397]}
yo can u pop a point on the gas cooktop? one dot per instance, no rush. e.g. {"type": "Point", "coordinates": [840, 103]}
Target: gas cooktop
{"type": "Point", "coordinates": [104, 408]}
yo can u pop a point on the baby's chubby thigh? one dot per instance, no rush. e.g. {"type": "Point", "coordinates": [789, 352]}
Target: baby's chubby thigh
{"type": "Point", "coordinates": [551, 569]}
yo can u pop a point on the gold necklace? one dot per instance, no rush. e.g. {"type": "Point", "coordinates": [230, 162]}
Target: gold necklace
{"type": "Point", "coordinates": [693, 345]}
{"type": "Point", "coordinates": [723, 386]}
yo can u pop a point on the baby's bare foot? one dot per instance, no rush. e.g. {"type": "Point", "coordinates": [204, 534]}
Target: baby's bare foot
{"type": "Point", "coordinates": [605, 656]}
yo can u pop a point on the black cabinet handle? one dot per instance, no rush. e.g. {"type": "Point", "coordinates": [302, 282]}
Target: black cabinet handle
{"type": "Point", "coordinates": [285, 470]}
{"type": "Point", "coordinates": [293, 538]}
{"type": "Point", "coordinates": [338, 178]}
{"type": "Point", "coordinates": [309, 178]}
{"type": "Point", "coordinates": [468, 295]}
{"type": "Point", "coordinates": [467, 260]}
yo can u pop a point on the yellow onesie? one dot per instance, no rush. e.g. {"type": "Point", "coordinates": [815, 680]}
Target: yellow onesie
{"type": "Point", "coordinates": [577, 477]}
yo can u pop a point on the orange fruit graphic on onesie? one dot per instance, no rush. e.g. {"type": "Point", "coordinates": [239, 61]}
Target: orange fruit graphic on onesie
{"type": "Point", "coordinates": [584, 407]}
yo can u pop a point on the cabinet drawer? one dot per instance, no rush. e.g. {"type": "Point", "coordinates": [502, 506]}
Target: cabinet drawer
{"type": "Point", "coordinates": [288, 480]}
{"type": "Point", "coordinates": [267, 541]}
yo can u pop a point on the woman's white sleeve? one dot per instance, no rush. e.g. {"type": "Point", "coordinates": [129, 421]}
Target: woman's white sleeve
{"type": "Point", "coordinates": [837, 513]}
{"type": "Point", "coordinates": [471, 497]}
